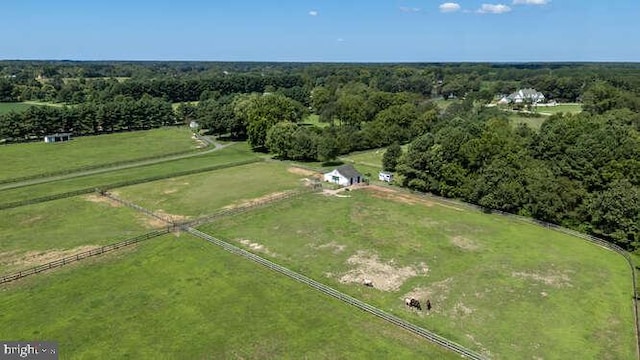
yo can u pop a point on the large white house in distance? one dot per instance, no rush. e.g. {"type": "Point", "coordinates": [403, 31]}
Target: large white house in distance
{"type": "Point", "coordinates": [523, 95]}
{"type": "Point", "coordinates": [344, 175]}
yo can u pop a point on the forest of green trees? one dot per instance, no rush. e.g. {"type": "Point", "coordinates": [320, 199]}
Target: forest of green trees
{"type": "Point", "coordinates": [581, 170]}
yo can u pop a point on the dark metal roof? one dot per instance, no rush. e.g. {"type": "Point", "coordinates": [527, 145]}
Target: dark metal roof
{"type": "Point", "coordinates": [348, 171]}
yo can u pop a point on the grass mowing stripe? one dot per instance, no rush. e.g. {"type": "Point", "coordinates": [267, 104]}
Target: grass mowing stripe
{"type": "Point", "coordinates": [102, 187]}
{"type": "Point", "coordinates": [26, 159]}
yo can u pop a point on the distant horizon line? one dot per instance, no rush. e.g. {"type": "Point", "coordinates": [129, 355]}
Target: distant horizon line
{"type": "Point", "coordinates": [501, 62]}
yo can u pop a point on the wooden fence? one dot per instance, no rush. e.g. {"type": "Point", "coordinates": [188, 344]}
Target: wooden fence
{"type": "Point", "coordinates": [83, 255]}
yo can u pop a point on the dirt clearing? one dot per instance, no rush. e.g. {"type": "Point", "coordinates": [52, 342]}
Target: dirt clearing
{"type": "Point", "coordinates": [102, 199]}
{"type": "Point", "coordinates": [35, 258]}
{"type": "Point", "coordinates": [437, 293]}
{"type": "Point", "coordinates": [382, 192]}
{"type": "Point", "coordinates": [335, 247]}
{"type": "Point", "coordinates": [258, 200]}
{"type": "Point", "coordinates": [304, 172]}
{"type": "Point", "coordinates": [464, 243]}
{"type": "Point", "coordinates": [555, 279]}
{"type": "Point", "coordinates": [255, 246]}
{"type": "Point", "coordinates": [386, 276]}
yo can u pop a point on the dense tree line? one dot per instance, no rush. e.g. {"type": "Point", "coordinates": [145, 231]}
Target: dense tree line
{"type": "Point", "coordinates": [581, 171]}
{"type": "Point", "coordinates": [76, 82]}
{"type": "Point", "coordinates": [124, 114]}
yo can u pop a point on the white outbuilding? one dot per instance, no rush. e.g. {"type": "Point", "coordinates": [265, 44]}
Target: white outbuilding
{"type": "Point", "coordinates": [385, 176]}
{"type": "Point", "coordinates": [57, 137]}
{"type": "Point", "coordinates": [344, 175]}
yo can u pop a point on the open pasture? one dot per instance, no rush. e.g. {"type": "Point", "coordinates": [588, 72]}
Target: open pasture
{"type": "Point", "coordinates": [35, 234]}
{"type": "Point", "coordinates": [28, 159]}
{"type": "Point", "coordinates": [502, 287]}
{"type": "Point", "coordinates": [182, 298]}
{"type": "Point", "coordinates": [202, 194]}
{"type": "Point", "coordinates": [234, 153]}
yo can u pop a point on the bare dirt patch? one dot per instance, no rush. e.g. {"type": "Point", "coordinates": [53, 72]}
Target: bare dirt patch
{"type": "Point", "coordinates": [35, 258]}
{"type": "Point", "coordinates": [389, 194]}
{"type": "Point", "coordinates": [399, 196]}
{"type": "Point", "coordinates": [255, 246]}
{"type": "Point", "coordinates": [31, 220]}
{"type": "Point", "coordinates": [386, 276]}
{"type": "Point", "coordinates": [101, 199]}
{"type": "Point", "coordinates": [258, 200]}
{"type": "Point", "coordinates": [552, 278]}
{"type": "Point", "coordinates": [304, 172]}
{"type": "Point", "coordinates": [464, 243]}
{"type": "Point", "coordinates": [461, 310]}
{"type": "Point", "coordinates": [437, 293]}
{"type": "Point", "coordinates": [336, 192]}
{"type": "Point", "coordinates": [335, 247]}
{"type": "Point", "coordinates": [169, 191]}
{"type": "Point", "coordinates": [172, 217]}
{"type": "Point", "coordinates": [155, 223]}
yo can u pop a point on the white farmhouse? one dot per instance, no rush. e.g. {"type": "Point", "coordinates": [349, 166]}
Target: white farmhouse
{"type": "Point", "coordinates": [344, 175]}
{"type": "Point", "coordinates": [523, 95]}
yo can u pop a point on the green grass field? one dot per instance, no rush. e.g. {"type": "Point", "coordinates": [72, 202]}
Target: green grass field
{"type": "Point", "coordinates": [205, 193]}
{"type": "Point", "coordinates": [498, 286]}
{"type": "Point", "coordinates": [544, 112]}
{"type": "Point", "coordinates": [532, 122]}
{"type": "Point", "coordinates": [35, 234]}
{"type": "Point", "coordinates": [16, 107]}
{"type": "Point", "coordinates": [182, 298]}
{"type": "Point", "coordinates": [35, 158]}
{"type": "Point", "coordinates": [572, 108]}
{"type": "Point", "coordinates": [314, 120]}
{"type": "Point", "coordinates": [234, 153]}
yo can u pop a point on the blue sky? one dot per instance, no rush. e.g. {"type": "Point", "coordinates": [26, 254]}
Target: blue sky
{"type": "Point", "coordinates": [322, 30]}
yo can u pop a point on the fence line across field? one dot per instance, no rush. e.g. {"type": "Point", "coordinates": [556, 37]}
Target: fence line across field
{"type": "Point", "coordinates": [426, 334]}
{"type": "Point", "coordinates": [83, 255]}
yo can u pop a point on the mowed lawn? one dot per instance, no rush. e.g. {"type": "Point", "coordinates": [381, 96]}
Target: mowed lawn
{"type": "Point", "coordinates": [13, 106]}
{"type": "Point", "coordinates": [205, 193]}
{"type": "Point", "coordinates": [570, 108]}
{"type": "Point", "coordinates": [238, 152]}
{"type": "Point", "coordinates": [28, 159]}
{"type": "Point", "coordinates": [182, 298]}
{"type": "Point", "coordinates": [533, 122]}
{"type": "Point", "coordinates": [508, 289]}
{"type": "Point", "coordinates": [35, 234]}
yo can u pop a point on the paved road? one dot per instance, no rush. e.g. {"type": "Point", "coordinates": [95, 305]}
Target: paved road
{"type": "Point", "coordinates": [216, 146]}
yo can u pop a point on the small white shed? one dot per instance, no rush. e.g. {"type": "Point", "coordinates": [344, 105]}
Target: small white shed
{"type": "Point", "coordinates": [344, 175]}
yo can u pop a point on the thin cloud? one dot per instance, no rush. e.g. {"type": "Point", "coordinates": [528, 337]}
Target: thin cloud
{"type": "Point", "coordinates": [531, 2]}
{"type": "Point", "coordinates": [313, 13]}
{"type": "Point", "coordinates": [406, 9]}
{"type": "Point", "coordinates": [340, 40]}
{"type": "Point", "coordinates": [494, 9]}
{"type": "Point", "coordinates": [449, 7]}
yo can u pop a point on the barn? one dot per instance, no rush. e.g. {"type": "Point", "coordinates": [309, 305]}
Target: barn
{"type": "Point", "coordinates": [344, 175]}
{"type": "Point", "coordinates": [57, 137]}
